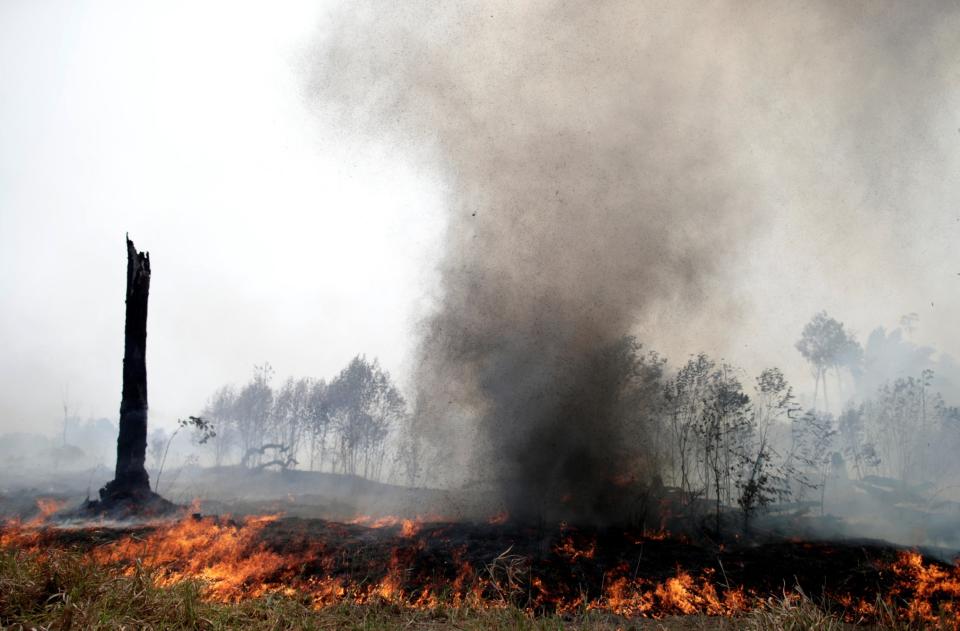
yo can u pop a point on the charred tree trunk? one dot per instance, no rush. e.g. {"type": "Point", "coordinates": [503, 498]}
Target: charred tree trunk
{"type": "Point", "coordinates": [131, 480]}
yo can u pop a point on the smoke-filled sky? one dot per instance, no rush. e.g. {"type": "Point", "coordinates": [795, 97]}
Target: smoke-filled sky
{"type": "Point", "coordinates": [272, 238]}
{"type": "Point", "coordinates": [306, 177]}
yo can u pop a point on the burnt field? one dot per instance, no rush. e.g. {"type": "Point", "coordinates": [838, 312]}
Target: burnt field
{"type": "Point", "coordinates": [542, 570]}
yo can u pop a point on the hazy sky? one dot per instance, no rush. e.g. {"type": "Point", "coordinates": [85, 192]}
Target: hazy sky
{"type": "Point", "coordinates": [184, 123]}
{"type": "Point", "coordinates": [276, 237]}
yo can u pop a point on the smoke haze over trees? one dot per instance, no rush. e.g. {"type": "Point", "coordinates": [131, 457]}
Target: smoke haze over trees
{"type": "Point", "coordinates": [607, 167]}
{"type": "Point", "coordinates": [343, 426]}
{"type": "Point", "coordinates": [837, 120]}
{"type": "Point", "coordinates": [704, 430]}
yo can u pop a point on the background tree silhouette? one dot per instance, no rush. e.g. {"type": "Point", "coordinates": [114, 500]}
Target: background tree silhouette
{"type": "Point", "coordinates": [826, 345]}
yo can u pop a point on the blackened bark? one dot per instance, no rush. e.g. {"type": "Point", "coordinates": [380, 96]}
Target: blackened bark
{"type": "Point", "coordinates": [131, 479]}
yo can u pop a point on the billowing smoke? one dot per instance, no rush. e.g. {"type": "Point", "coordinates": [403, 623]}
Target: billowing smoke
{"type": "Point", "coordinates": [606, 164]}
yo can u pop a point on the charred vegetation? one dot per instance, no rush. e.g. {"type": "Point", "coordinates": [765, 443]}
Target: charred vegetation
{"type": "Point", "coordinates": [129, 492]}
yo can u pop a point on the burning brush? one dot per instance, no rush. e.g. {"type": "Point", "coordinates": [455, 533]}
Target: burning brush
{"type": "Point", "coordinates": [421, 564]}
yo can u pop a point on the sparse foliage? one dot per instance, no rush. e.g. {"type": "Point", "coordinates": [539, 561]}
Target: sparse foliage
{"type": "Point", "coordinates": [686, 396]}
{"type": "Point", "coordinates": [813, 452]}
{"type": "Point", "coordinates": [764, 475]}
{"type": "Point", "coordinates": [201, 428]}
{"type": "Point", "coordinates": [722, 428]}
{"type": "Point", "coordinates": [855, 445]}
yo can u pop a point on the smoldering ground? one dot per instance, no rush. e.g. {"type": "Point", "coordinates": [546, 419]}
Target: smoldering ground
{"type": "Point", "coordinates": [607, 167]}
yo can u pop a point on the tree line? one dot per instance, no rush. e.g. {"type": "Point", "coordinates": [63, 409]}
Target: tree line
{"type": "Point", "coordinates": [896, 425]}
{"type": "Point", "coordinates": [720, 440]}
{"type": "Point", "coordinates": [715, 435]}
{"type": "Point", "coordinates": [719, 437]}
{"type": "Point", "coordinates": [342, 426]}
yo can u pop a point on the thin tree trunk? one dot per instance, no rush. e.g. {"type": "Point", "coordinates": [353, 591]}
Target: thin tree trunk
{"type": "Point", "coordinates": [839, 389]}
{"type": "Point", "coordinates": [826, 401]}
{"type": "Point", "coordinates": [823, 496]}
{"type": "Point", "coordinates": [131, 479]}
{"type": "Point", "coordinates": [816, 387]}
{"type": "Point", "coordinates": [717, 480]}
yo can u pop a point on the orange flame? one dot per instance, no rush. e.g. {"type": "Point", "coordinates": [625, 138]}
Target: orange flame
{"type": "Point", "coordinates": [926, 585]}
{"type": "Point", "coordinates": [569, 549]}
{"type": "Point", "coordinates": [233, 560]}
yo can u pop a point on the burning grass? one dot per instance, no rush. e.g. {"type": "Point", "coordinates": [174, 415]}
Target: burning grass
{"type": "Point", "coordinates": [293, 573]}
{"type": "Point", "coordinates": [65, 590]}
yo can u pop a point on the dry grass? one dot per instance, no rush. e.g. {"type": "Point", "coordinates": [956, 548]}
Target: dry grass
{"type": "Point", "coordinates": [62, 590]}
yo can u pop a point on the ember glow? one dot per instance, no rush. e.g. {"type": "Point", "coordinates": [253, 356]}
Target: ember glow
{"type": "Point", "coordinates": [424, 565]}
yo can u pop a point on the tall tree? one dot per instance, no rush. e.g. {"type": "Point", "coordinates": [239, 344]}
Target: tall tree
{"type": "Point", "coordinates": [826, 345]}
{"type": "Point", "coordinates": [131, 479]}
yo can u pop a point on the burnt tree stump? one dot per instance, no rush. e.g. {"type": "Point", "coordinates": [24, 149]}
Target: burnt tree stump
{"type": "Point", "coordinates": [130, 488]}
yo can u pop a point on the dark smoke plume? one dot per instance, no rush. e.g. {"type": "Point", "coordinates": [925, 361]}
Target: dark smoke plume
{"type": "Point", "coordinates": [605, 162]}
